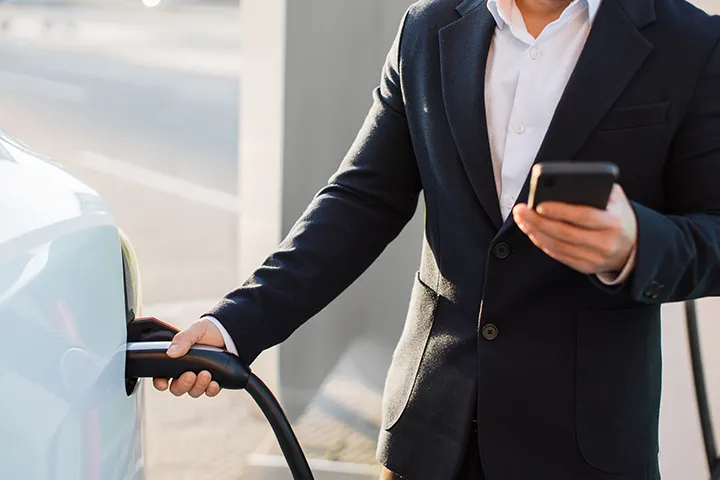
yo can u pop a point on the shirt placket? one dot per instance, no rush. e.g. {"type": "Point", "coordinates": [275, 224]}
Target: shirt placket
{"type": "Point", "coordinates": [520, 131]}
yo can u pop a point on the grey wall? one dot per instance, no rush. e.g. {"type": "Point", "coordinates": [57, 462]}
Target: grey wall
{"type": "Point", "coordinates": [335, 50]}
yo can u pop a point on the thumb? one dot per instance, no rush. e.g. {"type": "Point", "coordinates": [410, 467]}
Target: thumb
{"type": "Point", "coordinates": [187, 338]}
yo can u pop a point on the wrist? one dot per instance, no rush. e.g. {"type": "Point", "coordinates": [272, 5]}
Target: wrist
{"type": "Point", "coordinates": [621, 275]}
{"type": "Point", "coordinates": [622, 261]}
{"type": "Point", "coordinates": [229, 344]}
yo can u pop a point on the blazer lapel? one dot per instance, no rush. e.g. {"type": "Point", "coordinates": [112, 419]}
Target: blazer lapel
{"type": "Point", "coordinates": [464, 47]}
{"type": "Point", "coordinates": [614, 52]}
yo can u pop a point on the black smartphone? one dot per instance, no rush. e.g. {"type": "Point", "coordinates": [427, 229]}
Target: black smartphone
{"type": "Point", "coordinates": [578, 183]}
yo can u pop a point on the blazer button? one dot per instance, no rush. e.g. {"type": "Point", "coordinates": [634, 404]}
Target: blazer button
{"type": "Point", "coordinates": [502, 250]}
{"type": "Point", "coordinates": [651, 294]}
{"type": "Point", "coordinates": [490, 332]}
{"type": "Point", "coordinates": [653, 290]}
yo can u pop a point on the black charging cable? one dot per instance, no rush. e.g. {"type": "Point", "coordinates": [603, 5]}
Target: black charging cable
{"type": "Point", "coordinates": [147, 359]}
{"type": "Point", "coordinates": [284, 433]}
{"type": "Point", "coordinates": [701, 390]}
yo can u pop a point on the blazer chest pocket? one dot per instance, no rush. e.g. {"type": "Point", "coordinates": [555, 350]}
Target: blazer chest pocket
{"type": "Point", "coordinates": [635, 116]}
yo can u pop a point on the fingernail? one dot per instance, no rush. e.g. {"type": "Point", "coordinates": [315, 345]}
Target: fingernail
{"type": "Point", "coordinates": [173, 349]}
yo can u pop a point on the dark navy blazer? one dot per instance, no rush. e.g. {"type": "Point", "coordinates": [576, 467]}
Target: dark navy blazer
{"type": "Point", "coordinates": [566, 384]}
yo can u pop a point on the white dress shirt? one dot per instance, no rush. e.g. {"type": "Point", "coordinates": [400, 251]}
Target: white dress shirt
{"type": "Point", "coordinates": [525, 79]}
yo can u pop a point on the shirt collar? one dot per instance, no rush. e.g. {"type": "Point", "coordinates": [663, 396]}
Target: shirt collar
{"type": "Point", "coordinates": [501, 10]}
{"type": "Point", "coordinates": [593, 7]}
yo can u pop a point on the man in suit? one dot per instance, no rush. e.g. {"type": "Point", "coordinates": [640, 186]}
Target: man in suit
{"type": "Point", "coordinates": [531, 349]}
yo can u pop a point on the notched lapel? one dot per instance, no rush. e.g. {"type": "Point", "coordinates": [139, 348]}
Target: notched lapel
{"type": "Point", "coordinates": [614, 53]}
{"type": "Point", "coordinates": [464, 47]}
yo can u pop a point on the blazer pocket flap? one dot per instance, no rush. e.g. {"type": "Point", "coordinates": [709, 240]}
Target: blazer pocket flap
{"type": "Point", "coordinates": [635, 116]}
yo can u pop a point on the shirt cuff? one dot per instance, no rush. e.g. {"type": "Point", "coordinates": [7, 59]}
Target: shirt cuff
{"type": "Point", "coordinates": [229, 344]}
{"type": "Point", "coordinates": [612, 279]}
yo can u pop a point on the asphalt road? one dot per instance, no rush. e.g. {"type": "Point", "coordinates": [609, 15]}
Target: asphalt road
{"type": "Point", "coordinates": [177, 123]}
{"type": "Point", "coordinates": [149, 122]}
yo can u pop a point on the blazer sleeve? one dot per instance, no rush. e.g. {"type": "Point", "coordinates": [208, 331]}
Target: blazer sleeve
{"type": "Point", "coordinates": [348, 224]}
{"type": "Point", "coordinates": [678, 253]}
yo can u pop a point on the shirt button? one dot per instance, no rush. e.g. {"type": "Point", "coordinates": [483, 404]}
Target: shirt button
{"type": "Point", "coordinates": [534, 54]}
{"type": "Point", "coordinates": [520, 128]}
{"type": "Point", "coordinates": [501, 250]}
{"type": "Point", "coordinates": [490, 332]}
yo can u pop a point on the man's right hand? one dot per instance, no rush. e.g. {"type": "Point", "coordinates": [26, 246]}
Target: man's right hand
{"type": "Point", "coordinates": [201, 332]}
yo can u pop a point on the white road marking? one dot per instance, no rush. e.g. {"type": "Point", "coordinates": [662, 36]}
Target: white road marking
{"type": "Point", "coordinates": [204, 62]}
{"type": "Point", "coordinates": [159, 181]}
{"type": "Point", "coordinates": [36, 86]}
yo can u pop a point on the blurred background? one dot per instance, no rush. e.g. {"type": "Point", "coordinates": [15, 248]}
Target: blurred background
{"type": "Point", "coordinates": [140, 99]}
{"type": "Point", "coordinates": [187, 115]}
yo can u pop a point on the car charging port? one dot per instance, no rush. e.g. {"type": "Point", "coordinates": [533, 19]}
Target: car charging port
{"type": "Point", "coordinates": [146, 329]}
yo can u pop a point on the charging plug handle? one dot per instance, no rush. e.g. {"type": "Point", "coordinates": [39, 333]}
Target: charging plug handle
{"type": "Point", "coordinates": [150, 359]}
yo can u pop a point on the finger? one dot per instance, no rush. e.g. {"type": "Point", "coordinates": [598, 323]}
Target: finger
{"type": "Point", "coordinates": [213, 389]}
{"type": "Point", "coordinates": [617, 195]}
{"type": "Point", "coordinates": [598, 240]}
{"type": "Point", "coordinates": [575, 255]}
{"type": "Point", "coordinates": [187, 338]}
{"type": "Point", "coordinates": [604, 243]}
{"type": "Point", "coordinates": [577, 264]}
{"type": "Point", "coordinates": [181, 386]}
{"type": "Point", "coordinates": [578, 257]}
{"type": "Point", "coordinates": [579, 215]}
{"type": "Point", "coordinates": [161, 384]}
{"type": "Point", "coordinates": [619, 204]}
{"type": "Point", "coordinates": [571, 261]}
{"type": "Point", "coordinates": [532, 223]}
{"type": "Point", "coordinates": [527, 218]}
{"type": "Point", "coordinates": [201, 384]}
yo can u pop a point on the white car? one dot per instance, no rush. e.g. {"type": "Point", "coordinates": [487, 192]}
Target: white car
{"type": "Point", "coordinates": [68, 287]}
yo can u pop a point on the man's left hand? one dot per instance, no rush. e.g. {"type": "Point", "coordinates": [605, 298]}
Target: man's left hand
{"type": "Point", "coordinates": [587, 239]}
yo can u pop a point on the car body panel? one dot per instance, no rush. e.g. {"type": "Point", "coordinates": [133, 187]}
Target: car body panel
{"type": "Point", "coordinates": [65, 411]}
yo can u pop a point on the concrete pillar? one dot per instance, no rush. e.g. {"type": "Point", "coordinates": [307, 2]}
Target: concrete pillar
{"type": "Point", "coordinates": [309, 67]}
{"type": "Point", "coordinates": [308, 70]}
{"type": "Point", "coordinates": [261, 143]}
